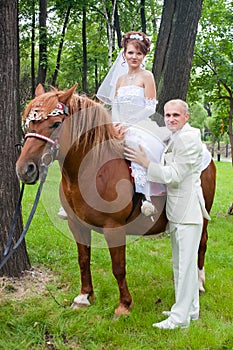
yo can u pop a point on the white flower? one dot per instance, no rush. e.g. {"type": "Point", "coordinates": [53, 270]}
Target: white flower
{"type": "Point", "coordinates": [136, 36]}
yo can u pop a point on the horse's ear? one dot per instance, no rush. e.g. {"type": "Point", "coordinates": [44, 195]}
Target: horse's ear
{"type": "Point", "coordinates": [39, 90]}
{"type": "Point", "coordinates": [66, 96]}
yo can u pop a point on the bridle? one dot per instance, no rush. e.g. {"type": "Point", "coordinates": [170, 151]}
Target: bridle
{"type": "Point", "coordinates": [46, 160]}
{"type": "Point", "coordinates": [34, 115]}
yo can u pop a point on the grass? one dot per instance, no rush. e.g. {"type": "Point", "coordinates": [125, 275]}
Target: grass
{"type": "Point", "coordinates": [44, 319]}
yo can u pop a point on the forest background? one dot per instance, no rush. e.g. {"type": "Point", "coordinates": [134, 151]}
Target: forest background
{"type": "Point", "coordinates": [67, 42]}
{"type": "Point", "coordinates": [63, 42]}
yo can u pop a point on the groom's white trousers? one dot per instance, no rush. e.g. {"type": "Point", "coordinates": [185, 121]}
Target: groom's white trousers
{"type": "Point", "coordinates": [185, 239]}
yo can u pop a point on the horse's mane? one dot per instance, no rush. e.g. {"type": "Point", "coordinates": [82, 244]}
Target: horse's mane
{"type": "Point", "coordinates": [90, 122]}
{"type": "Point", "coordinates": [91, 125]}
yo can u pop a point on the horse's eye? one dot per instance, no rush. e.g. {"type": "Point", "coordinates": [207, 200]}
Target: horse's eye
{"type": "Point", "coordinates": [55, 125]}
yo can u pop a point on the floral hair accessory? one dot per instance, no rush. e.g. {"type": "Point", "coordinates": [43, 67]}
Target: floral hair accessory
{"type": "Point", "coordinates": [136, 36]}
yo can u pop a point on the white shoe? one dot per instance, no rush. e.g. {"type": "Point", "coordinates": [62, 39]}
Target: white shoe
{"type": "Point", "coordinates": [62, 214]}
{"type": "Point", "coordinates": [166, 313]}
{"type": "Point", "coordinates": [169, 324]}
{"type": "Point", "coordinates": [148, 208]}
{"type": "Point", "coordinates": [193, 317]}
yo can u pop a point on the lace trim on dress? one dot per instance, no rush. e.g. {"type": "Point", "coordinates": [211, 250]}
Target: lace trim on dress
{"type": "Point", "coordinates": [134, 95]}
{"type": "Point", "coordinates": [152, 102]}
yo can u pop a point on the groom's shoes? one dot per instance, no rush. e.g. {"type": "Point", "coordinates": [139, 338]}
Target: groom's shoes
{"type": "Point", "coordinates": [169, 324]}
{"type": "Point", "coordinates": [193, 317]}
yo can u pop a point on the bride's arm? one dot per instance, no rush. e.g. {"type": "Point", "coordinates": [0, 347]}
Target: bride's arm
{"type": "Point", "coordinates": [149, 83]}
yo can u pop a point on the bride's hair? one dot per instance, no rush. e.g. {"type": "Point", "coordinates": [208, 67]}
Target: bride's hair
{"type": "Point", "coordinates": [138, 39]}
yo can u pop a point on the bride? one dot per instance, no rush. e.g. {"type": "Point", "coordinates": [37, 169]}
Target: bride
{"type": "Point", "coordinates": [131, 91]}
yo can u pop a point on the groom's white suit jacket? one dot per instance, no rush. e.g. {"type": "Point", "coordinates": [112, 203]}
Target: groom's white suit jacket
{"type": "Point", "coordinates": [180, 170]}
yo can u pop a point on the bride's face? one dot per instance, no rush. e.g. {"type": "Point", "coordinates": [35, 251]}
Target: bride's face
{"type": "Point", "coordinates": [133, 56]}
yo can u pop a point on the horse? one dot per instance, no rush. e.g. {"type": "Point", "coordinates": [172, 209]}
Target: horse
{"type": "Point", "coordinates": [97, 189]}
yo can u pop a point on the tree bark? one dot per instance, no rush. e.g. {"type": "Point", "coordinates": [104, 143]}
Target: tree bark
{"type": "Point", "coordinates": [10, 135]}
{"type": "Point", "coordinates": [33, 79]}
{"type": "Point", "coordinates": [55, 74]}
{"type": "Point", "coordinates": [43, 63]}
{"type": "Point", "coordinates": [117, 26]}
{"type": "Point", "coordinates": [110, 19]}
{"type": "Point", "coordinates": [230, 119]}
{"type": "Point", "coordinates": [143, 16]}
{"type": "Point", "coordinates": [174, 49]}
{"type": "Point", "coordinates": [84, 39]}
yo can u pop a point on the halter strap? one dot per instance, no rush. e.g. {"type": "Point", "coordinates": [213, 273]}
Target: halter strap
{"type": "Point", "coordinates": [41, 137]}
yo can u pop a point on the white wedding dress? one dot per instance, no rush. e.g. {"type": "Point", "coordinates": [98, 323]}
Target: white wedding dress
{"type": "Point", "coordinates": [132, 109]}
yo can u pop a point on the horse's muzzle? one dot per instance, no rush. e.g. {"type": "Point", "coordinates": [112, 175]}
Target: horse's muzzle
{"type": "Point", "coordinates": [27, 173]}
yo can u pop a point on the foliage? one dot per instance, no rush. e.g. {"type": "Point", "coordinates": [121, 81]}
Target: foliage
{"type": "Point", "coordinates": [211, 82]}
{"type": "Point", "coordinates": [97, 41]}
{"type": "Point", "coordinates": [44, 320]}
{"type": "Point", "coordinates": [212, 78]}
{"type": "Point", "coordinates": [198, 116]}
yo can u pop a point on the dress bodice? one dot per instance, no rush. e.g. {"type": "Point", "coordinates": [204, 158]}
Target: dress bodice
{"type": "Point", "coordinates": [131, 106]}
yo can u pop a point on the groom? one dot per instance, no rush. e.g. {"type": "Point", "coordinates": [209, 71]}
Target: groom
{"type": "Point", "coordinates": [180, 170]}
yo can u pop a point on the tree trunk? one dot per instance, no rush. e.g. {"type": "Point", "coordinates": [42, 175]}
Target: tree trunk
{"type": "Point", "coordinates": [55, 74]}
{"type": "Point", "coordinates": [174, 49]}
{"type": "Point", "coordinates": [9, 135]}
{"type": "Point", "coordinates": [110, 19]}
{"type": "Point", "coordinates": [143, 17]}
{"type": "Point", "coordinates": [230, 128]}
{"type": "Point", "coordinates": [84, 39]}
{"type": "Point", "coordinates": [117, 26]}
{"type": "Point", "coordinates": [33, 80]}
{"type": "Point", "coordinates": [43, 63]}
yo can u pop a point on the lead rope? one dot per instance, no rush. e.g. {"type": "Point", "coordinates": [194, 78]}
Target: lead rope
{"type": "Point", "coordinates": [10, 237]}
{"type": "Point", "coordinates": [7, 252]}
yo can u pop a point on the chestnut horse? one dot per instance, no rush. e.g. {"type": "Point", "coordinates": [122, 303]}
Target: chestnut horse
{"type": "Point", "coordinates": [96, 187]}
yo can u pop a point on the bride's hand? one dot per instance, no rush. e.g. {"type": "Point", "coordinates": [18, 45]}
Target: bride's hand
{"type": "Point", "coordinates": [121, 129]}
{"type": "Point", "coordinates": [138, 157]}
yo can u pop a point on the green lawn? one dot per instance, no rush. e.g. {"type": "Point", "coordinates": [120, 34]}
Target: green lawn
{"type": "Point", "coordinates": [43, 319]}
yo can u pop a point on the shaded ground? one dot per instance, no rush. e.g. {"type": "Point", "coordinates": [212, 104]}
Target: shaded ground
{"type": "Point", "coordinates": [31, 282]}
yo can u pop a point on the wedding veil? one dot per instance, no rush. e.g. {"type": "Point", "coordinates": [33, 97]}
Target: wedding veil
{"type": "Point", "coordinates": [107, 89]}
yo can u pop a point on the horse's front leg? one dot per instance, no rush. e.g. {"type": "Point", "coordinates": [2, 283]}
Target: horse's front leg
{"type": "Point", "coordinates": [115, 238]}
{"type": "Point", "coordinates": [83, 239]}
{"type": "Point", "coordinates": [86, 296]}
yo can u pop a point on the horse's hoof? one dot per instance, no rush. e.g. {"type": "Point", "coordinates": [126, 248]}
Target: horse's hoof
{"type": "Point", "coordinates": [81, 301]}
{"type": "Point", "coordinates": [123, 310]}
{"type": "Point", "coordinates": [201, 280]}
{"type": "Point", "coordinates": [76, 306]}
{"type": "Point", "coordinates": [201, 288]}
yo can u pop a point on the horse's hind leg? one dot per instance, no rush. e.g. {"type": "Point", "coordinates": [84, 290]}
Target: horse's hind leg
{"type": "Point", "coordinates": [208, 182]}
{"type": "Point", "coordinates": [201, 256]}
{"type": "Point", "coordinates": [117, 249]}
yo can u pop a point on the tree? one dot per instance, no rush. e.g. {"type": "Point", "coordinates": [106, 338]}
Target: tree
{"type": "Point", "coordinates": [110, 19]}
{"type": "Point", "coordinates": [9, 132]}
{"type": "Point", "coordinates": [58, 62]}
{"type": "Point", "coordinates": [33, 79]}
{"type": "Point", "coordinates": [174, 49]}
{"type": "Point", "coordinates": [213, 65]}
{"type": "Point", "coordinates": [43, 60]}
{"type": "Point", "coordinates": [80, 40]}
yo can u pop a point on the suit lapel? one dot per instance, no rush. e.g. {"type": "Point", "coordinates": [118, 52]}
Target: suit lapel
{"type": "Point", "coordinates": [171, 141]}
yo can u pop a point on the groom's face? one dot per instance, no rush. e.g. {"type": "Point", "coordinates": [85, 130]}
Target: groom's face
{"type": "Point", "coordinates": [175, 116]}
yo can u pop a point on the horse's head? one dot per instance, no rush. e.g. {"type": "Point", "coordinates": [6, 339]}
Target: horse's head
{"type": "Point", "coordinates": [42, 118]}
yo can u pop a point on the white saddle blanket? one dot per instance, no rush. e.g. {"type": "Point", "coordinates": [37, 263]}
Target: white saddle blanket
{"type": "Point", "coordinates": [206, 157]}
{"type": "Point", "coordinates": [151, 137]}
